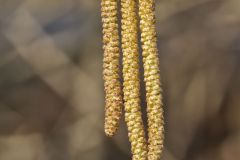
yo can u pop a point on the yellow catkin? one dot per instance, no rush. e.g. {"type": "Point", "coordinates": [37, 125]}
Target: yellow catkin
{"type": "Point", "coordinates": [152, 79]}
{"type": "Point", "coordinates": [131, 84]}
{"type": "Point", "coordinates": [112, 84]}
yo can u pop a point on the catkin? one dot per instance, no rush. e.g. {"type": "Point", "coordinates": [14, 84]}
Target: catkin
{"type": "Point", "coordinates": [112, 85]}
{"type": "Point", "coordinates": [131, 84]}
{"type": "Point", "coordinates": [152, 79]}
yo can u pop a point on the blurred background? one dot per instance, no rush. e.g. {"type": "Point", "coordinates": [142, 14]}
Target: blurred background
{"type": "Point", "coordinates": [51, 88]}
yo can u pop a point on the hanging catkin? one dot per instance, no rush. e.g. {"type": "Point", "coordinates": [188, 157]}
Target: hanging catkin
{"type": "Point", "coordinates": [113, 97]}
{"type": "Point", "coordinates": [131, 84]}
{"type": "Point", "coordinates": [152, 79]}
{"type": "Point", "coordinates": [141, 150]}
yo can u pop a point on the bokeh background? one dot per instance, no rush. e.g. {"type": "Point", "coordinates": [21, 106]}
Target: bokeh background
{"type": "Point", "coordinates": [51, 88]}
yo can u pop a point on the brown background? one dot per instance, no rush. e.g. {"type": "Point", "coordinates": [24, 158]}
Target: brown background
{"type": "Point", "coordinates": [51, 88]}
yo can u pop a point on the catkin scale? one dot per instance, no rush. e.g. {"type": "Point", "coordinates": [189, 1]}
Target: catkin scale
{"type": "Point", "coordinates": [111, 70]}
{"type": "Point", "coordinates": [131, 84]}
{"type": "Point", "coordinates": [152, 79]}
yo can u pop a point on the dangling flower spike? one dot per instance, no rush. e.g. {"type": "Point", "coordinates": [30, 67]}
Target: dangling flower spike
{"type": "Point", "coordinates": [142, 149]}
{"type": "Point", "coordinates": [152, 79]}
{"type": "Point", "coordinates": [113, 108]}
{"type": "Point", "coordinates": [131, 84]}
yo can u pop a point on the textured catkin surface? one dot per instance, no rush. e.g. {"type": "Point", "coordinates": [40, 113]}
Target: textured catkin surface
{"type": "Point", "coordinates": [152, 79]}
{"type": "Point", "coordinates": [131, 83]}
{"type": "Point", "coordinates": [113, 96]}
{"type": "Point", "coordinates": [51, 87]}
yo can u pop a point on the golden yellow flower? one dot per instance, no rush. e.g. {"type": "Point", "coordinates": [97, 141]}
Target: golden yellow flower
{"type": "Point", "coordinates": [152, 79]}
{"type": "Point", "coordinates": [113, 93]}
{"type": "Point", "coordinates": [131, 84]}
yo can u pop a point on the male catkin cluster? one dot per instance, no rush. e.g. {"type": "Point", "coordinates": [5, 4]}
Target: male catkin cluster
{"type": "Point", "coordinates": [141, 147]}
